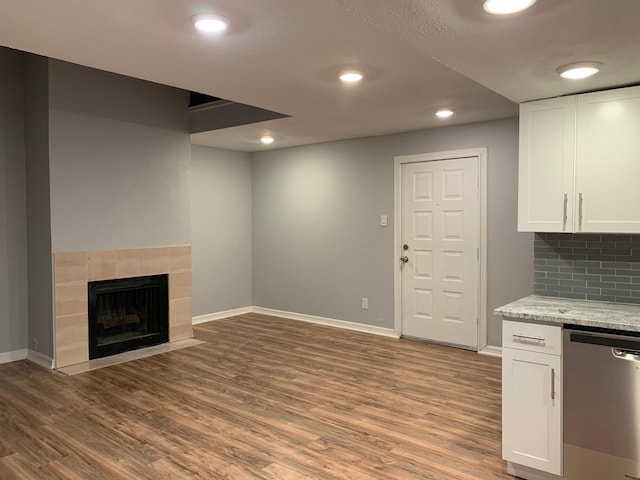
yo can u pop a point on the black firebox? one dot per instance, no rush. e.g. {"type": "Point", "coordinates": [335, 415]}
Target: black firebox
{"type": "Point", "coordinates": [127, 314]}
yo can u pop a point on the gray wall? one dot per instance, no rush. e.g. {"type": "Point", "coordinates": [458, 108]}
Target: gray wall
{"type": "Point", "coordinates": [13, 215]}
{"type": "Point", "coordinates": [120, 161]}
{"type": "Point", "coordinates": [314, 245]}
{"type": "Point", "coordinates": [220, 229]}
{"type": "Point", "coordinates": [317, 246]}
{"type": "Point", "coordinates": [38, 206]}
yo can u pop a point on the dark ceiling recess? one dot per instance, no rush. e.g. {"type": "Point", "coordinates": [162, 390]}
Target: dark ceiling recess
{"type": "Point", "coordinates": [208, 113]}
{"type": "Point", "coordinates": [196, 99]}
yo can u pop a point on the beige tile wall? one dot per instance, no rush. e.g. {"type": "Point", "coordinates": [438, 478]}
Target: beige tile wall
{"type": "Point", "coordinates": [73, 271]}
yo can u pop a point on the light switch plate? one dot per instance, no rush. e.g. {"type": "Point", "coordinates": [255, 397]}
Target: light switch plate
{"type": "Point", "coordinates": [384, 220]}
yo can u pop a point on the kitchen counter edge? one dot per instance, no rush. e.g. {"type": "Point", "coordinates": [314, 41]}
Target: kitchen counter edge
{"type": "Point", "coordinates": [566, 311]}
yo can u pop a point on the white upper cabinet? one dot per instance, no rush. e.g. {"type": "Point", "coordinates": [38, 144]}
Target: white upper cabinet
{"type": "Point", "coordinates": [547, 153]}
{"type": "Point", "coordinates": [608, 161]}
{"type": "Point", "coordinates": [580, 163]}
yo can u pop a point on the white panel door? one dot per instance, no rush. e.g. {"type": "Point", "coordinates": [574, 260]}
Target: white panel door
{"type": "Point", "coordinates": [532, 409]}
{"type": "Point", "coordinates": [608, 161]}
{"type": "Point", "coordinates": [440, 229]}
{"type": "Point", "coordinates": [546, 165]}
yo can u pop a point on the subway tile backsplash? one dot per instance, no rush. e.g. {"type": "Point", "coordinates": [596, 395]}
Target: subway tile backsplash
{"type": "Point", "coordinates": [588, 266]}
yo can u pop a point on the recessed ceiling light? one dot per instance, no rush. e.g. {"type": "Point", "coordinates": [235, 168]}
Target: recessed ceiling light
{"type": "Point", "coordinates": [210, 23]}
{"type": "Point", "coordinates": [504, 7]}
{"type": "Point", "coordinates": [351, 76]}
{"type": "Point", "coordinates": [266, 139]}
{"type": "Point", "coordinates": [444, 113]}
{"type": "Point", "coordinates": [576, 71]}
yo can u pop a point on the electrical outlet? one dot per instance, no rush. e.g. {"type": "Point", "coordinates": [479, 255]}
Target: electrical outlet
{"type": "Point", "coordinates": [34, 344]}
{"type": "Point", "coordinates": [365, 303]}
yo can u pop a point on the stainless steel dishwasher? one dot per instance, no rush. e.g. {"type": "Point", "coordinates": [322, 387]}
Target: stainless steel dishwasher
{"type": "Point", "coordinates": [601, 411]}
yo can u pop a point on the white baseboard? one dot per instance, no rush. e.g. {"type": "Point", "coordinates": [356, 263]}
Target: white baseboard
{"type": "Point", "coordinates": [331, 322]}
{"type": "Point", "coordinates": [26, 354]}
{"type": "Point", "coordinates": [40, 359]}
{"type": "Point", "coordinates": [491, 350]}
{"type": "Point", "coordinates": [14, 356]}
{"type": "Point", "coordinates": [220, 315]}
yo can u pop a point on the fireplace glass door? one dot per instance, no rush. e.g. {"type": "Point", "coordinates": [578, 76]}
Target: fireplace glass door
{"type": "Point", "coordinates": [126, 314]}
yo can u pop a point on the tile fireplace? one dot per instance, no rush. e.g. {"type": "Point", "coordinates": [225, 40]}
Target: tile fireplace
{"type": "Point", "coordinates": [75, 272]}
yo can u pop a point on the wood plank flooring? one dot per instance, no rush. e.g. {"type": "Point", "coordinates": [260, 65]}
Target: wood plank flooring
{"type": "Point", "coordinates": [264, 398]}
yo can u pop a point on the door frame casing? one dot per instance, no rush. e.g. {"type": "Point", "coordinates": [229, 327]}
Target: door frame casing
{"type": "Point", "coordinates": [481, 154]}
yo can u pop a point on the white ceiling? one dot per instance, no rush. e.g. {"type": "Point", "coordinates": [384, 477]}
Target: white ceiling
{"type": "Point", "coordinates": [283, 55]}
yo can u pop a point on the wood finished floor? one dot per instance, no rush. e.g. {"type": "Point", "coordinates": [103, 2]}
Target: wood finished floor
{"type": "Point", "coordinates": [265, 398]}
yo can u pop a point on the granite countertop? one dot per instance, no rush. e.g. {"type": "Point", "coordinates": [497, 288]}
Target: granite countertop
{"type": "Point", "coordinates": [565, 311]}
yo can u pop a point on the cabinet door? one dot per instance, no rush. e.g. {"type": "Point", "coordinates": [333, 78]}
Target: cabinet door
{"type": "Point", "coordinates": [532, 410]}
{"type": "Point", "coordinates": [546, 165]}
{"type": "Point", "coordinates": [608, 161]}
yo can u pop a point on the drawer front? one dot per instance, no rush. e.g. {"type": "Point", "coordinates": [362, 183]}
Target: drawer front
{"type": "Point", "coordinates": [532, 337]}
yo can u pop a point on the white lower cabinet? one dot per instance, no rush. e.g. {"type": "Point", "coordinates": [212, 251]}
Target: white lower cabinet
{"type": "Point", "coordinates": [532, 398]}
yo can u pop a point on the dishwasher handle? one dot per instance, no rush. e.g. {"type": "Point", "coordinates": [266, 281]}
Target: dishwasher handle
{"type": "Point", "coordinates": [619, 342]}
{"type": "Point", "coordinates": [626, 354]}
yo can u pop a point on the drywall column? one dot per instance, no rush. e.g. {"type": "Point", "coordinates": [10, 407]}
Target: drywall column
{"type": "Point", "coordinates": [13, 215]}
{"type": "Point", "coordinates": [120, 159]}
{"type": "Point", "coordinates": [38, 206]}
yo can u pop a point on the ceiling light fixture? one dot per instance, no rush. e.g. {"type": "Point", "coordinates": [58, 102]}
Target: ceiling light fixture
{"type": "Point", "coordinates": [210, 23]}
{"type": "Point", "coordinates": [266, 139]}
{"type": "Point", "coordinates": [351, 76]}
{"type": "Point", "coordinates": [444, 113]}
{"type": "Point", "coordinates": [504, 7]}
{"type": "Point", "coordinates": [576, 71]}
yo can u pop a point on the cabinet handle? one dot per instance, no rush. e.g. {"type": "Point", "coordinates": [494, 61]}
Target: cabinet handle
{"type": "Point", "coordinates": [580, 211]}
{"type": "Point", "coordinates": [564, 212]}
{"type": "Point", "coordinates": [553, 384]}
{"type": "Point", "coordinates": [518, 337]}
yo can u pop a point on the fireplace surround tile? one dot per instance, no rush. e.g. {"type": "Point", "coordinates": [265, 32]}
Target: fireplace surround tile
{"type": "Point", "coordinates": [180, 313]}
{"type": "Point", "coordinates": [73, 271]}
{"type": "Point", "coordinates": [129, 263]}
{"type": "Point", "coordinates": [180, 308]}
{"type": "Point", "coordinates": [72, 332]}
{"type": "Point", "coordinates": [155, 261]}
{"type": "Point", "coordinates": [71, 299]}
{"type": "Point", "coordinates": [180, 259]}
{"type": "Point", "coordinates": [102, 265]}
{"type": "Point", "coordinates": [180, 284]}
{"type": "Point", "coordinates": [180, 332]}
{"type": "Point", "coordinates": [71, 268]}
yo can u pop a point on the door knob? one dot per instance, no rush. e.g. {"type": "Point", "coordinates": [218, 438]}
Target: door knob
{"type": "Point", "coordinates": [404, 259]}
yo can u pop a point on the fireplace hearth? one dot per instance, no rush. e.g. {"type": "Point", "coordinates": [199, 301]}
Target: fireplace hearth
{"type": "Point", "coordinates": [127, 313]}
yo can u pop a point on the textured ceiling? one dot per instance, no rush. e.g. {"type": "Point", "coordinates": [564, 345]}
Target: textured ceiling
{"type": "Point", "coordinates": [283, 55]}
{"type": "Point", "coordinates": [516, 55]}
